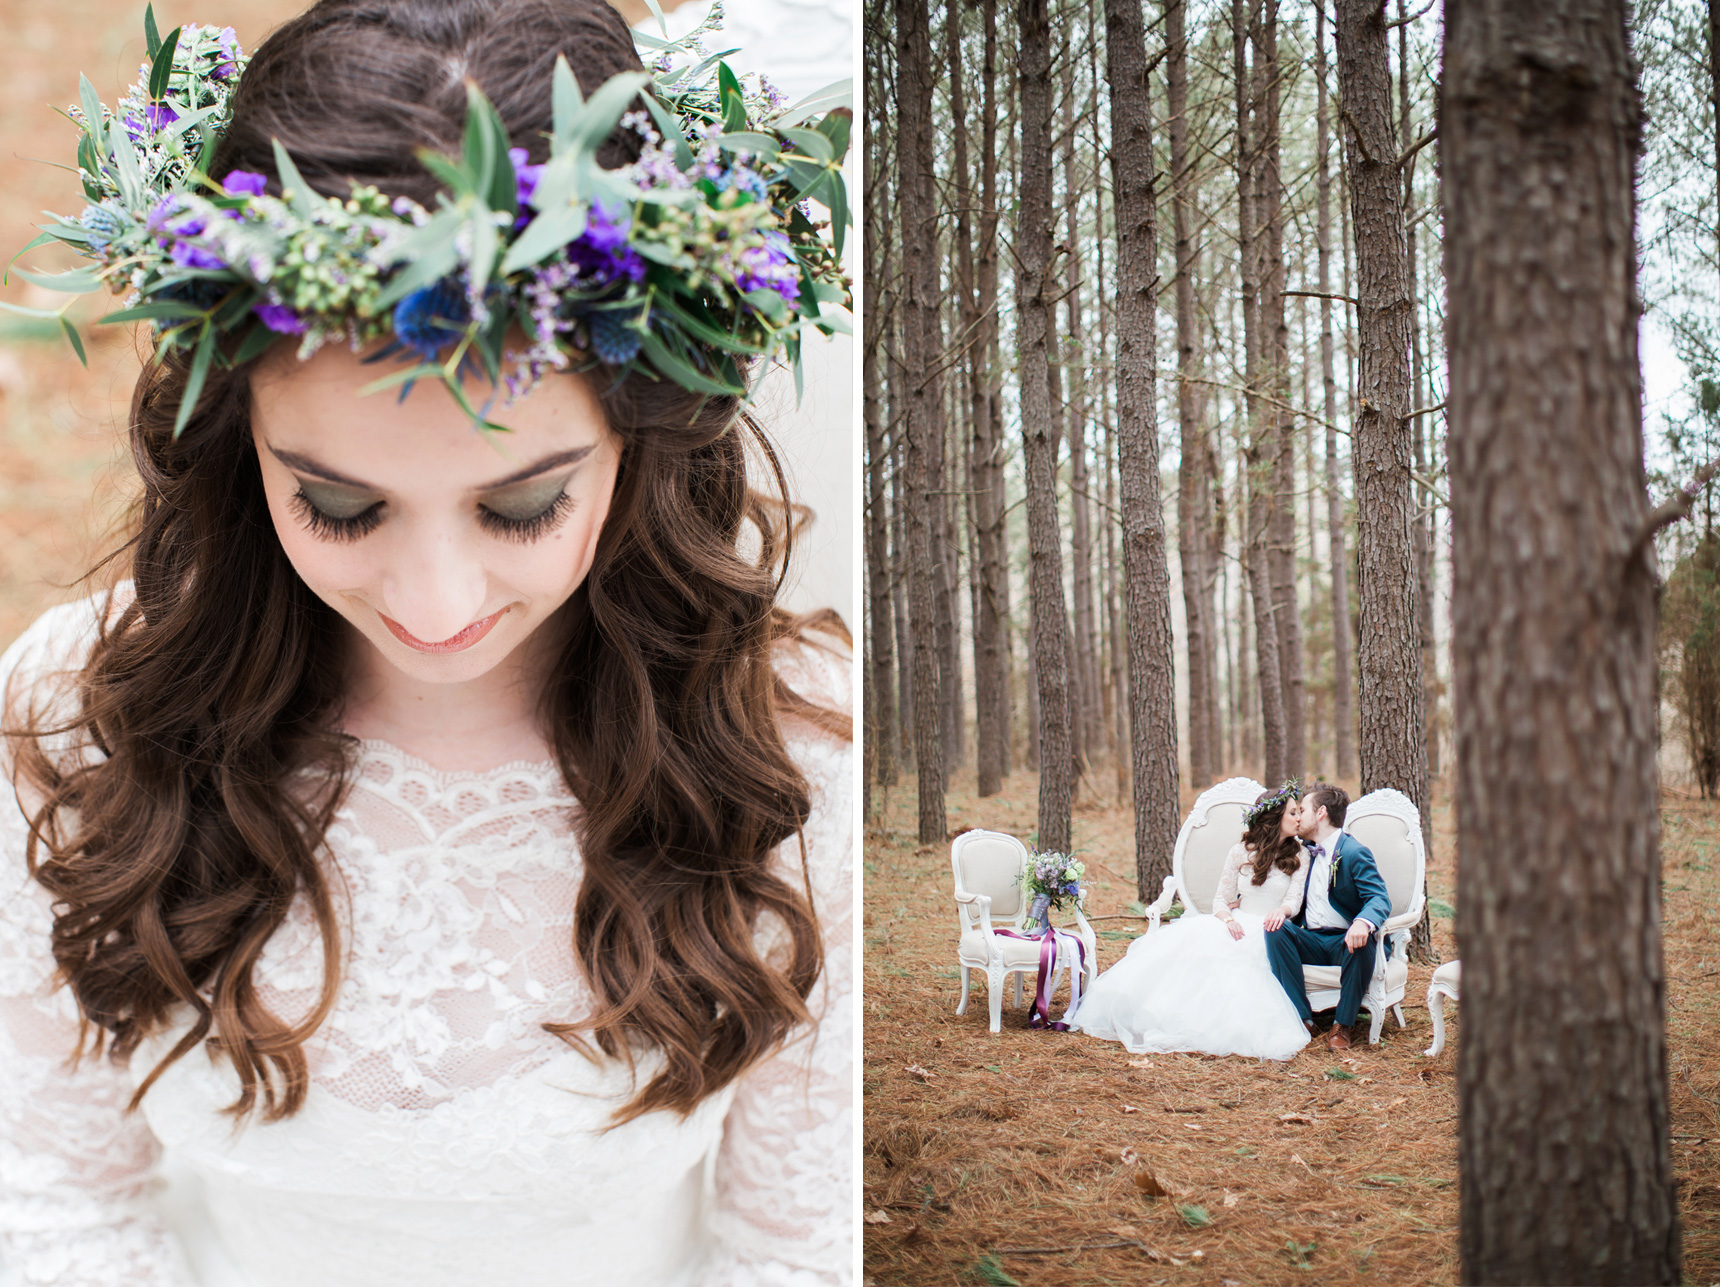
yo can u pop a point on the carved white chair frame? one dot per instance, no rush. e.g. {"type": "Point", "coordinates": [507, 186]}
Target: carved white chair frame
{"type": "Point", "coordinates": [1243, 791]}
{"type": "Point", "coordinates": [985, 911]}
{"type": "Point", "coordinates": [1447, 982]}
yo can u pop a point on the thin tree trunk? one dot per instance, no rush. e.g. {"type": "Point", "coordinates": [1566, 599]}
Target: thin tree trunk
{"type": "Point", "coordinates": [923, 403]}
{"type": "Point", "coordinates": [1256, 438]}
{"type": "Point", "coordinates": [1152, 667]}
{"type": "Point", "coordinates": [1392, 744]}
{"type": "Point", "coordinates": [1563, 1126]}
{"type": "Point", "coordinates": [1275, 375]}
{"type": "Point", "coordinates": [881, 730]}
{"type": "Point", "coordinates": [1034, 337]}
{"type": "Point", "coordinates": [899, 559]}
{"type": "Point", "coordinates": [1194, 500]}
{"type": "Point", "coordinates": [1343, 701]}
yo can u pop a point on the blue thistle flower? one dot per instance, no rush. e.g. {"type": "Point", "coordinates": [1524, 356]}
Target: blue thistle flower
{"type": "Point", "coordinates": [613, 337]}
{"type": "Point", "coordinates": [102, 224]}
{"type": "Point", "coordinates": [428, 319]}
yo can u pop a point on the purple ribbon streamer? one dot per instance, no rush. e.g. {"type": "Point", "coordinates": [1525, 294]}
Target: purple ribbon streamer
{"type": "Point", "coordinates": [1055, 946]}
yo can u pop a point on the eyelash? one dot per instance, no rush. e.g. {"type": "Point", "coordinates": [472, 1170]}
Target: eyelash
{"type": "Point", "coordinates": [522, 530]}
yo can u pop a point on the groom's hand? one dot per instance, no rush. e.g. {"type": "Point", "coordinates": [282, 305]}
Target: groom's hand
{"type": "Point", "coordinates": [1356, 937]}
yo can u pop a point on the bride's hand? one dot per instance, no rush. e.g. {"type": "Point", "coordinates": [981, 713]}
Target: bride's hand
{"type": "Point", "coordinates": [1274, 920]}
{"type": "Point", "coordinates": [1234, 928]}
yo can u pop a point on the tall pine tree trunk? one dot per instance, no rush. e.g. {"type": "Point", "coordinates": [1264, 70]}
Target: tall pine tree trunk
{"type": "Point", "coordinates": [1194, 497]}
{"type": "Point", "coordinates": [922, 404]}
{"type": "Point", "coordinates": [1152, 667]}
{"type": "Point", "coordinates": [1343, 700]}
{"type": "Point", "coordinates": [1392, 745]}
{"type": "Point", "coordinates": [1034, 336]}
{"type": "Point", "coordinates": [1562, 1132]}
{"type": "Point", "coordinates": [1275, 375]}
{"type": "Point", "coordinates": [881, 730]}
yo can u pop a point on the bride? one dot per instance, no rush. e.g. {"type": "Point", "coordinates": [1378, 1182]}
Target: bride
{"type": "Point", "coordinates": [434, 856]}
{"type": "Point", "coordinates": [1203, 983]}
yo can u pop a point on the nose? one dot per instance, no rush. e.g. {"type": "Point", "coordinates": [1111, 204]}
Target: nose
{"type": "Point", "coordinates": [436, 586]}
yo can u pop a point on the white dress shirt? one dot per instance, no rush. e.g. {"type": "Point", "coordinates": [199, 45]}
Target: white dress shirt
{"type": "Point", "coordinates": [1318, 909]}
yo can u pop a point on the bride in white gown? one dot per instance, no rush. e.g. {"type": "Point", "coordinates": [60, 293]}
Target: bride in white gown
{"type": "Point", "coordinates": [1203, 983]}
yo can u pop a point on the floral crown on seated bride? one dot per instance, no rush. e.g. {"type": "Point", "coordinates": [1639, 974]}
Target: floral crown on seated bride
{"type": "Point", "coordinates": [1277, 800]}
{"type": "Point", "coordinates": [699, 256]}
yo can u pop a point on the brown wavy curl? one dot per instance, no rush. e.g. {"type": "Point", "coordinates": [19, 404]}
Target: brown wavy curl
{"type": "Point", "coordinates": [1268, 847]}
{"type": "Point", "coordinates": [213, 695]}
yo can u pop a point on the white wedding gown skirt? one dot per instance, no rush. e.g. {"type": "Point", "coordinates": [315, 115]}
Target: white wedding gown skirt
{"type": "Point", "coordinates": [1190, 986]}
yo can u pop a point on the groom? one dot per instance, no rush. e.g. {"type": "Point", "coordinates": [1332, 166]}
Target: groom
{"type": "Point", "coordinates": [1344, 903]}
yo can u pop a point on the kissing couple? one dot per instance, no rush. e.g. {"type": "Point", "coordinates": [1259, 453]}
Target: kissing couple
{"type": "Point", "coordinates": [1295, 891]}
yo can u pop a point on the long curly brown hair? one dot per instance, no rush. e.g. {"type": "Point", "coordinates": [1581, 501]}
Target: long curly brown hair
{"type": "Point", "coordinates": [1268, 847]}
{"type": "Point", "coordinates": [214, 695]}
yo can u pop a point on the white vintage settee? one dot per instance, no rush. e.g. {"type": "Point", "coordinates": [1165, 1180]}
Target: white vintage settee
{"type": "Point", "coordinates": [1386, 821]}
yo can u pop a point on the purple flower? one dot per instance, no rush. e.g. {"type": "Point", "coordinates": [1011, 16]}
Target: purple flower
{"type": "Point", "coordinates": [160, 116]}
{"type": "Point", "coordinates": [187, 255]}
{"type": "Point", "coordinates": [770, 267]}
{"type": "Point", "coordinates": [161, 212]}
{"type": "Point", "coordinates": [244, 183]}
{"type": "Point", "coordinates": [601, 253]}
{"type": "Point", "coordinates": [228, 40]}
{"type": "Point", "coordinates": [280, 319]}
{"type": "Point", "coordinates": [525, 176]}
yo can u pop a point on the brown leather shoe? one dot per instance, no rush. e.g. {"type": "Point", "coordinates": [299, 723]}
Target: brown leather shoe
{"type": "Point", "coordinates": [1313, 1032]}
{"type": "Point", "coordinates": [1340, 1038]}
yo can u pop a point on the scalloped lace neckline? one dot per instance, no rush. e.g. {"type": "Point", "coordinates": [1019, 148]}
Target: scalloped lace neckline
{"type": "Point", "coordinates": [376, 748]}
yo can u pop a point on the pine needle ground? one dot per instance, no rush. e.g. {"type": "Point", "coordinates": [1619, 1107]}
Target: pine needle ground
{"type": "Point", "coordinates": [1031, 1157]}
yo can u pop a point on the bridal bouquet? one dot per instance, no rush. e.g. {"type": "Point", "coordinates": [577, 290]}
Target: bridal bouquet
{"type": "Point", "coordinates": [1050, 880]}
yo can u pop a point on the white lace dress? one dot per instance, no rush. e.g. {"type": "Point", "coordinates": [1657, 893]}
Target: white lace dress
{"type": "Point", "coordinates": [1191, 986]}
{"type": "Point", "coordinates": [446, 1138]}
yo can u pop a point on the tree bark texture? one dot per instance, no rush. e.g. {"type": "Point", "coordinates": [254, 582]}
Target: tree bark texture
{"type": "Point", "coordinates": [1194, 495]}
{"type": "Point", "coordinates": [991, 622]}
{"type": "Point", "coordinates": [1343, 701]}
{"type": "Point", "coordinates": [1563, 1133]}
{"type": "Point", "coordinates": [881, 731]}
{"type": "Point", "coordinates": [1275, 375]}
{"type": "Point", "coordinates": [1391, 742]}
{"type": "Point", "coordinates": [922, 402]}
{"type": "Point", "coordinates": [1152, 666]}
{"type": "Point", "coordinates": [1034, 334]}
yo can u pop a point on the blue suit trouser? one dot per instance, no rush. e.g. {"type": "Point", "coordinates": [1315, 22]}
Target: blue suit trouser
{"type": "Point", "coordinates": [1291, 946]}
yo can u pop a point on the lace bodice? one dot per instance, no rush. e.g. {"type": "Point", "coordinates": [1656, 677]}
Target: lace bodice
{"type": "Point", "coordinates": [446, 1138]}
{"type": "Point", "coordinates": [1281, 890]}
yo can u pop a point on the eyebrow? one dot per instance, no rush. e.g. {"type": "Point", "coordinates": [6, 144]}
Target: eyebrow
{"type": "Point", "coordinates": [305, 465]}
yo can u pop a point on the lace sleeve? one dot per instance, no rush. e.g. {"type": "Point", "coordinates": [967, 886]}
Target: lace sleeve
{"type": "Point", "coordinates": [75, 1167]}
{"type": "Point", "coordinates": [1227, 895]}
{"type": "Point", "coordinates": [784, 1179]}
{"type": "Point", "coordinates": [1298, 884]}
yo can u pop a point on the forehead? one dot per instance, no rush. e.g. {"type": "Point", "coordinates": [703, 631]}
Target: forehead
{"type": "Point", "coordinates": [317, 408]}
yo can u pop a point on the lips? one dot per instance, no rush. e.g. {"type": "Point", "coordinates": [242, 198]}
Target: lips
{"type": "Point", "coordinates": [453, 643]}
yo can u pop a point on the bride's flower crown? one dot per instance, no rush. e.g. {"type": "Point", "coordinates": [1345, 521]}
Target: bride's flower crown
{"type": "Point", "coordinates": [701, 254]}
{"type": "Point", "coordinates": [1277, 800]}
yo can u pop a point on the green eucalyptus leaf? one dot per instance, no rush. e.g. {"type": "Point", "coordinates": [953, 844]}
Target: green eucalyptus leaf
{"type": "Point", "coordinates": [729, 95]}
{"type": "Point", "coordinates": [406, 375]}
{"type": "Point", "coordinates": [80, 281]}
{"type": "Point", "coordinates": [161, 66]}
{"type": "Point", "coordinates": [543, 236]}
{"type": "Point", "coordinates": [685, 373]}
{"type": "Point", "coordinates": [701, 329]}
{"type": "Point", "coordinates": [452, 384]}
{"type": "Point", "coordinates": [811, 143]}
{"type": "Point", "coordinates": [670, 128]}
{"type": "Point", "coordinates": [155, 311]}
{"type": "Point", "coordinates": [91, 102]}
{"type": "Point", "coordinates": [837, 94]}
{"type": "Point", "coordinates": [127, 169]}
{"type": "Point", "coordinates": [566, 102]}
{"type": "Point", "coordinates": [41, 240]}
{"type": "Point", "coordinates": [766, 301]}
{"type": "Point", "coordinates": [88, 160]}
{"type": "Point", "coordinates": [456, 177]}
{"type": "Point", "coordinates": [40, 314]}
{"type": "Point", "coordinates": [837, 126]}
{"type": "Point", "coordinates": [603, 111]}
{"type": "Point", "coordinates": [194, 382]}
{"type": "Point", "coordinates": [431, 264]}
{"type": "Point", "coordinates": [151, 34]}
{"type": "Point", "coordinates": [77, 340]}
{"type": "Point", "coordinates": [839, 216]}
{"type": "Point", "coordinates": [484, 247]}
{"type": "Point", "coordinates": [293, 185]}
{"type": "Point", "coordinates": [657, 12]}
{"type": "Point", "coordinates": [486, 152]}
{"type": "Point", "coordinates": [750, 141]}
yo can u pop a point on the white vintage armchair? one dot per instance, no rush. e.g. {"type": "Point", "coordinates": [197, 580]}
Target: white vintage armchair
{"type": "Point", "coordinates": [1389, 824]}
{"type": "Point", "coordinates": [1385, 821]}
{"type": "Point", "coordinates": [988, 867]}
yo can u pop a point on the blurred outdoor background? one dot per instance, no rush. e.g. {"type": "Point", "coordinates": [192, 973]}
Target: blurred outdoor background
{"type": "Point", "coordinates": [65, 473]}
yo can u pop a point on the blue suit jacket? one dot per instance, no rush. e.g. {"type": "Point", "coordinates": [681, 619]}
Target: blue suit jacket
{"type": "Point", "coordinates": [1357, 889]}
